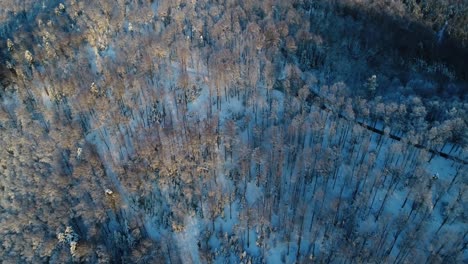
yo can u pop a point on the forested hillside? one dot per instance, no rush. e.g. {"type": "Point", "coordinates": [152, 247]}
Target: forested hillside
{"type": "Point", "coordinates": [233, 131]}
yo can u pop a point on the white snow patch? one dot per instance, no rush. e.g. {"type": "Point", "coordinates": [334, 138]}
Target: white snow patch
{"type": "Point", "coordinates": [187, 241]}
{"type": "Point", "coordinates": [253, 193]}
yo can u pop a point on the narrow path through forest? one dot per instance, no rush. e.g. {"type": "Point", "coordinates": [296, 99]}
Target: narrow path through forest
{"type": "Point", "coordinates": [316, 99]}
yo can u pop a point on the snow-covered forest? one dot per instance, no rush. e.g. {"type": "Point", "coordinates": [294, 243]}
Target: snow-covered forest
{"type": "Point", "coordinates": [233, 131]}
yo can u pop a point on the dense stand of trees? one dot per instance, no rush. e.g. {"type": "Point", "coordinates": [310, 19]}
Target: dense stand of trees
{"type": "Point", "coordinates": [185, 131]}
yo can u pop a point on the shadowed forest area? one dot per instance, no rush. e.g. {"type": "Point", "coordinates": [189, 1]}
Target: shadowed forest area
{"type": "Point", "coordinates": [233, 131]}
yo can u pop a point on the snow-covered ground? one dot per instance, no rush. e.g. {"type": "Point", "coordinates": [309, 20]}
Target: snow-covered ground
{"type": "Point", "coordinates": [334, 196]}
